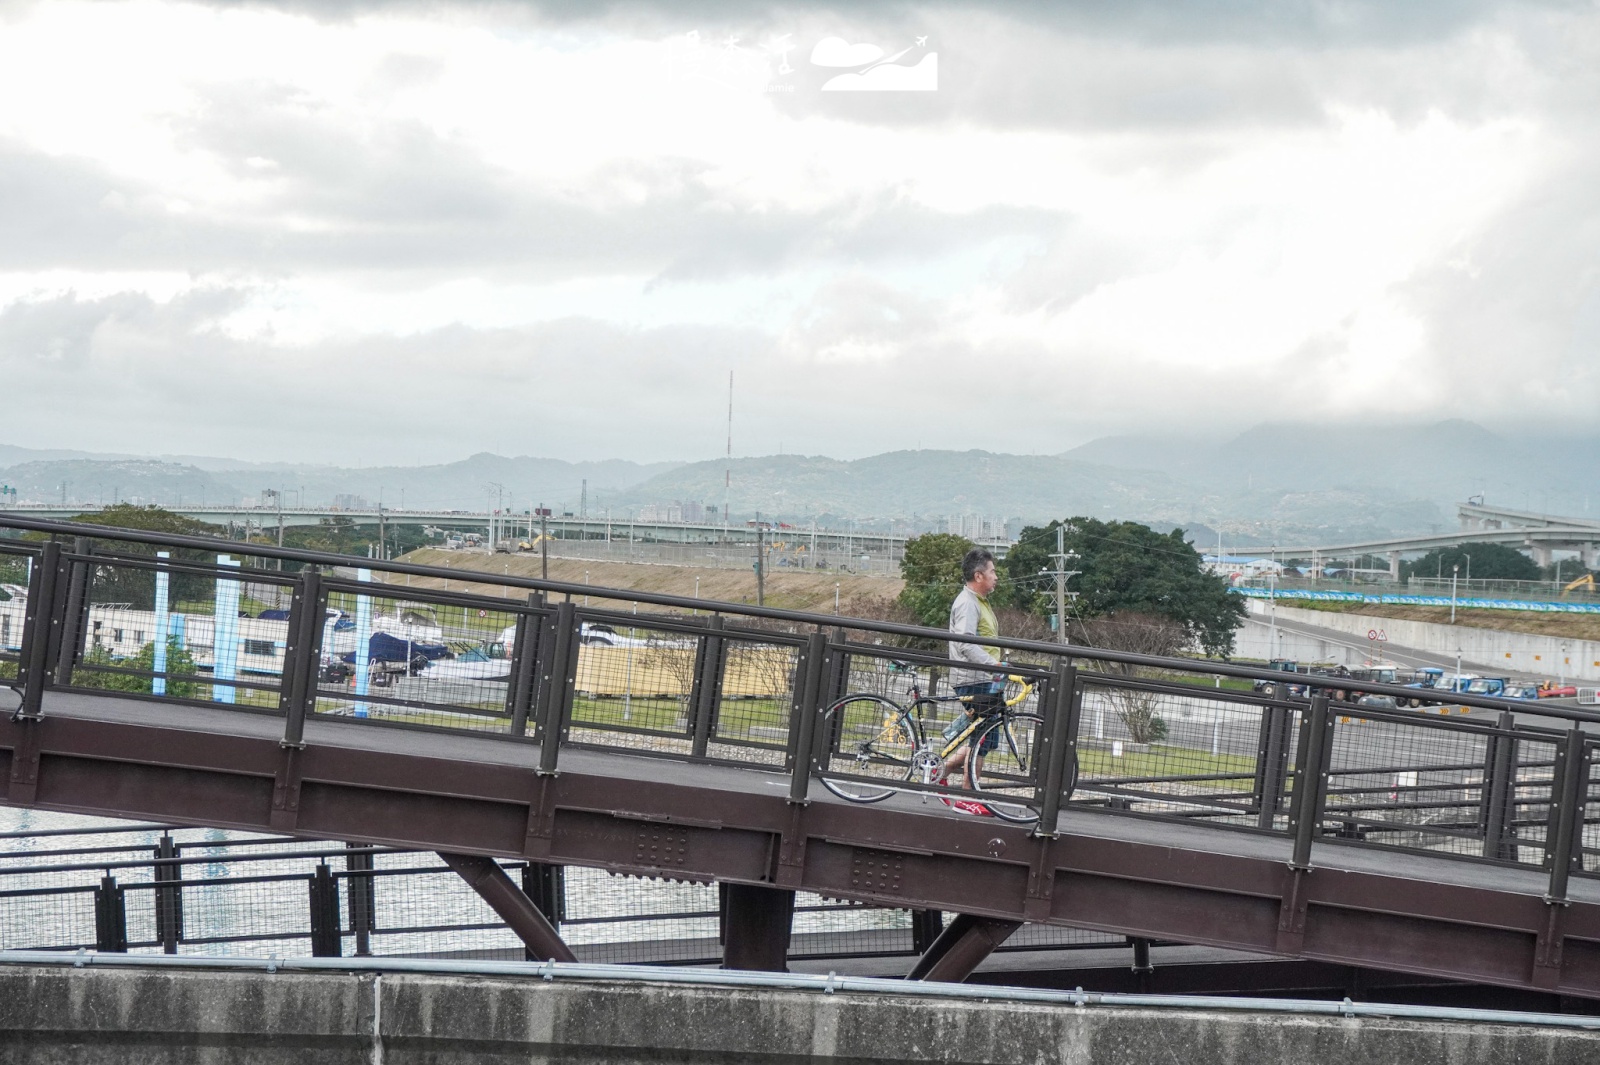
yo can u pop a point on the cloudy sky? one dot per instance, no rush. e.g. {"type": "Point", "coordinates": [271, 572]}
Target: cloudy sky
{"type": "Point", "coordinates": [362, 233]}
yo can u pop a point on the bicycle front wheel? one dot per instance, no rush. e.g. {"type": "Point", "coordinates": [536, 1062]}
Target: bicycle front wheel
{"type": "Point", "coordinates": [1007, 774]}
{"type": "Point", "coordinates": [870, 742]}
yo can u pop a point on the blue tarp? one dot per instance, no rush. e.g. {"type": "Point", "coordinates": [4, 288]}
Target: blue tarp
{"type": "Point", "coordinates": [1535, 605]}
{"type": "Point", "coordinates": [385, 648]}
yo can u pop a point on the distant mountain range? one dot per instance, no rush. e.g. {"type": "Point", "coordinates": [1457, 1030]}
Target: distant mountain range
{"type": "Point", "coordinates": [1270, 483]}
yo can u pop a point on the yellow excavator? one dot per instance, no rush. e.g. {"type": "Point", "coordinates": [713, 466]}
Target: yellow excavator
{"type": "Point", "coordinates": [1585, 581]}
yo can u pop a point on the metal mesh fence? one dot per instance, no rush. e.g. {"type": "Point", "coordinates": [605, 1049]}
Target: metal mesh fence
{"type": "Point", "coordinates": [635, 919]}
{"type": "Point", "coordinates": [635, 684]}
{"type": "Point", "coordinates": [435, 661]}
{"type": "Point", "coordinates": [1421, 783]}
{"type": "Point", "coordinates": [756, 698]}
{"type": "Point", "coordinates": [1172, 754]}
{"type": "Point", "coordinates": [16, 569]}
{"type": "Point", "coordinates": [177, 628]}
{"type": "Point", "coordinates": [1407, 783]}
{"type": "Point", "coordinates": [1588, 842]}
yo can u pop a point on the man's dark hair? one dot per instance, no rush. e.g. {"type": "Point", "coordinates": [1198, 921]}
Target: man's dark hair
{"type": "Point", "coordinates": [974, 561]}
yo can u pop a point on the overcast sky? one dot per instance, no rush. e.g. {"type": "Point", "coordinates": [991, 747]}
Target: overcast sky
{"type": "Point", "coordinates": [366, 233]}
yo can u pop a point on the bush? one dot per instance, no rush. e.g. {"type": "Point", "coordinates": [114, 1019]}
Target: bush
{"type": "Point", "coordinates": [179, 661]}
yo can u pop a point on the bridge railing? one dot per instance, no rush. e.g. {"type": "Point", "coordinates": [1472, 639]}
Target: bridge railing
{"type": "Point", "coordinates": [151, 888]}
{"type": "Point", "coordinates": [572, 666]}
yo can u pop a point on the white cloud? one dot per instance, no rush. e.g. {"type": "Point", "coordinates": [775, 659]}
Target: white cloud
{"type": "Point", "coordinates": [1075, 203]}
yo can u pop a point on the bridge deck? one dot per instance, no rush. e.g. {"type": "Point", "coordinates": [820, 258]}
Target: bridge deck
{"type": "Point", "coordinates": [755, 783]}
{"type": "Point", "coordinates": [1203, 884]}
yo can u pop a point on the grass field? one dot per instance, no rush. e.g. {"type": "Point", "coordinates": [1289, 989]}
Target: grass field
{"type": "Point", "coordinates": [1572, 626]}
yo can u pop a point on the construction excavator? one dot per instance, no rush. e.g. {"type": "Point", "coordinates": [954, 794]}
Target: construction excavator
{"type": "Point", "coordinates": [1586, 581]}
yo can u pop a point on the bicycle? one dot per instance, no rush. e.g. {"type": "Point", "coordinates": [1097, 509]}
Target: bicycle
{"type": "Point", "coordinates": [883, 738]}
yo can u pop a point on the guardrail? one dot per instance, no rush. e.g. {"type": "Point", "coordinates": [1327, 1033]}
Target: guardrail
{"type": "Point", "coordinates": [140, 888]}
{"type": "Point", "coordinates": [658, 676]}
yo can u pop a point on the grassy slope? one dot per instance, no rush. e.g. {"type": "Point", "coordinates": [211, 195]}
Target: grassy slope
{"type": "Point", "coordinates": [1572, 626]}
{"type": "Point", "coordinates": [794, 591]}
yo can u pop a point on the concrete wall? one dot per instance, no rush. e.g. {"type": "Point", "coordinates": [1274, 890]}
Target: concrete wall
{"type": "Point", "coordinates": [1485, 649]}
{"type": "Point", "coordinates": [89, 1016]}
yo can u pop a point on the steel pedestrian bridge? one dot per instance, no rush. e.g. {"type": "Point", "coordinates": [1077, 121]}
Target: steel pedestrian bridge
{"type": "Point", "coordinates": [687, 745]}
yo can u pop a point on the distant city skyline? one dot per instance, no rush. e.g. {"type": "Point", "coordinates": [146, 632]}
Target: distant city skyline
{"type": "Point", "coordinates": [365, 233]}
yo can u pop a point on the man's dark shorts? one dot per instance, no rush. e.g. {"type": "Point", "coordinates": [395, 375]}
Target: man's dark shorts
{"type": "Point", "coordinates": [979, 701]}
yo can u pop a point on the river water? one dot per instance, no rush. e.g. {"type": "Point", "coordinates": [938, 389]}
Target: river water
{"type": "Point", "coordinates": [227, 898]}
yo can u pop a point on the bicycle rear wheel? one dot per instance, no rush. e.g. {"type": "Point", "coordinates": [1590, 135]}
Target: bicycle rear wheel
{"type": "Point", "coordinates": [1009, 773]}
{"type": "Point", "coordinates": [868, 736]}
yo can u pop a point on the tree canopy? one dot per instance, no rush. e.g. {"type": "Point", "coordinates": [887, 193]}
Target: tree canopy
{"type": "Point", "coordinates": [931, 567]}
{"type": "Point", "coordinates": [1126, 568]}
{"type": "Point", "coordinates": [136, 586]}
{"type": "Point", "coordinates": [1488, 562]}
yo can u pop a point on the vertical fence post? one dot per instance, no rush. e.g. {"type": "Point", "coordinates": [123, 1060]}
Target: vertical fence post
{"type": "Point", "coordinates": [1311, 780]}
{"type": "Point", "coordinates": [707, 695]}
{"type": "Point", "coordinates": [110, 917]}
{"type": "Point", "coordinates": [1569, 791]}
{"type": "Point", "coordinates": [1272, 760]}
{"type": "Point", "coordinates": [1061, 725]}
{"type": "Point", "coordinates": [360, 896]}
{"type": "Point", "coordinates": [74, 614]}
{"type": "Point", "coordinates": [326, 941]}
{"type": "Point", "coordinates": [803, 714]}
{"type": "Point", "coordinates": [524, 658]}
{"type": "Point", "coordinates": [1498, 806]}
{"type": "Point", "coordinates": [37, 626]}
{"type": "Point", "coordinates": [168, 896]}
{"type": "Point", "coordinates": [556, 685]}
{"type": "Point", "coordinates": [302, 656]}
{"type": "Point", "coordinates": [546, 887]}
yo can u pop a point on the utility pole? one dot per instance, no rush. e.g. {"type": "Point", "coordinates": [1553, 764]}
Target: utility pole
{"type": "Point", "coordinates": [761, 563]}
{"type": "Point", "coordinates": [1061, 574]}
{"type": "Point", "coordinates": [1455, 571]}
{"type": "Point", "coordinates": [544, 544]}
{"type": "Point", "coordinates": [381, 532]}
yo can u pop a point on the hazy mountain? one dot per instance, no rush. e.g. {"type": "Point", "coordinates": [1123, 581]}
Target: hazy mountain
{"type": "Point", "coordinates": [105, 481]}
{"type": "Point", "coordinates": [921, 486]}
{"type": "Point", "coordinates": [463, 485]}
{"type": "Point", "coordinates": [1271, 483]}
{"type": "Point", "coordinates": [1442, 463]}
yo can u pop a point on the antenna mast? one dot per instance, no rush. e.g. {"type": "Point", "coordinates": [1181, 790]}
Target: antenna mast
{"type": "Point", "coordinates": [727, 467]}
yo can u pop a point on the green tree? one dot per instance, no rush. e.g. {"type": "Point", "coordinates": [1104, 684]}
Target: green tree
{"type": "Point", "coordinates": [1488, 562]}
{"type": "Point", "coordinates": [179, 663]}
{"type": "Point", "coordinates": [931, 567]}
{"type": "Point", "coordinates": [136, 586]}
{"type": "Point", "coordinates": [1125, 568]}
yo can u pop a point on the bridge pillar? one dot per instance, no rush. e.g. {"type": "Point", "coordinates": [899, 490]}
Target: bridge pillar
{"type": "Point", "coordinates": [1541, 554]}
{"type": "Point", "coordinates": [1591, 556]}
{"type": "Point", "coordinates": [1394, 564]}
{"type": "Point", "coordinates": [961, 947]}
{"type": "Point", "coordinates": [755, 927]}
{"type": "Point", "coordinates": [485, 876]}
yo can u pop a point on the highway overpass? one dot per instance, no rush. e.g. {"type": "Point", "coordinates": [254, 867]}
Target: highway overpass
{"type": "Point", "coordinates": [267, 519]}
{"type": "Point", "coordinates": [1541, 534]}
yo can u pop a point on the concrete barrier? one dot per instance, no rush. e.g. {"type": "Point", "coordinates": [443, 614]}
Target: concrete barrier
{"type": "Point", "coordinates": [1485, 649]}
{"type": "Point", "coordinates": [51, 1014]}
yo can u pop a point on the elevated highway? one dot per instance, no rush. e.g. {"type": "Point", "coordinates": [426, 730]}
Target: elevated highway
{"type": "Point", "coordinates": [1541, 534]}
{"type": "Point", "coordinates": [1462, 848]}
{"type": "Point", "coordinates": [834, 543]}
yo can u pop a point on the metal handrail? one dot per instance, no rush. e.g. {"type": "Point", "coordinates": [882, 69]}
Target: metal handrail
{"type": "Point", "coordinates": [822, 621]}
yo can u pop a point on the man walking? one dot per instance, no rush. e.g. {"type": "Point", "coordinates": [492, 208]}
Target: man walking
{"type": "Point", "coordinates": [981, 694]}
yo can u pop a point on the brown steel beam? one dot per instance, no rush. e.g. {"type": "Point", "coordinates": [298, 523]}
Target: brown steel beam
{"type": "Point", "coordinates": [485, 876]}
{"type": "Point", "coordinates": [755, 927]}
{"type": "Point", "coordinates": [695, 829]}
{"type": "Point", "coordinates": [961, 948]}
